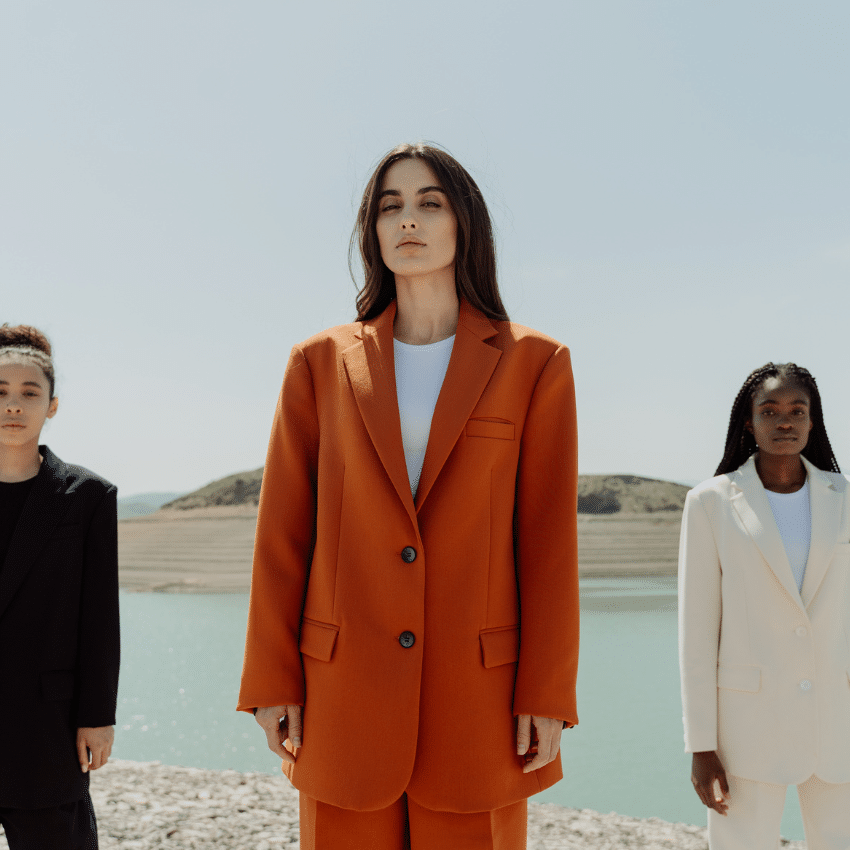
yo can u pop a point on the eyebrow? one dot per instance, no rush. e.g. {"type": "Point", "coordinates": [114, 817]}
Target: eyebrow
{"type": "Point", "coordinates": [773, 401]}
{"type": "Point", "coordinates": [25, 384]}
{"type": "Point", "coordinates": [423, 191]}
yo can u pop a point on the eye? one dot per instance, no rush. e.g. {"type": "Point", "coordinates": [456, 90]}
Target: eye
{"type": "Point", "coordinates": [389, 206]}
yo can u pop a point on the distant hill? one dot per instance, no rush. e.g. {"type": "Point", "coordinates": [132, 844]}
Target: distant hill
{"type": "Point", "coordinates": [241, 488]}
{"type": "Point", "coordinates": [612, 494]}
{"type": "Point", "coordinates": [597, 494]}
{"type": "Point", "coordinates": [143, 504]}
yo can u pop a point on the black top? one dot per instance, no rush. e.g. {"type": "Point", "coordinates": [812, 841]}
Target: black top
{"type": "Point", "coordinates": [12, 498]}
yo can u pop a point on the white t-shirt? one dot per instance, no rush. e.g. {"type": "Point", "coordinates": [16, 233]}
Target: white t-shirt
{"type": "Point", "coordinates": [793, 515]}
{"type": "Point", "coordinates": [419, 374]}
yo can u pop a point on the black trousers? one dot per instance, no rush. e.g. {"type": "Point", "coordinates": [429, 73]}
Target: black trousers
{"type": "Point", "coordinates": [71, 826]}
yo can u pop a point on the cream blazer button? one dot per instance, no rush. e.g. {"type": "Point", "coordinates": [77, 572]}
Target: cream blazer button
{"type": "Point", "coordinates": [805, 685]}
{"type": "Point", "coordinates": [801, 631]}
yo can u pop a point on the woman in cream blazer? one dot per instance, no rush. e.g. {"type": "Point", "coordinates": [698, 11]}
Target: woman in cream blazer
{"type": "Point", "coordinates": [764, 628]}
{"type": "Point", "coordinates": [413, 626]}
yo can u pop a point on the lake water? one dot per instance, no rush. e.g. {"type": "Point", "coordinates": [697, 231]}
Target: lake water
{"type": "Point", "coordinates": [182, 656]}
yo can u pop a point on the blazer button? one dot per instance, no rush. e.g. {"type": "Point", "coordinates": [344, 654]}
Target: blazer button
{"type": "Point", "coordinates": [805, 685]}
{"type": "Point", "coordinates": [407, 639]}
{"type": "Point", "coordinates": [408, 554]}
{"type": "Point", "coordinates": [801, 631]}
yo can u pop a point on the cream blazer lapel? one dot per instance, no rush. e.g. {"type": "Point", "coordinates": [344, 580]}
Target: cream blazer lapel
{"type": "Point", "coordinates": [827, 494]}
{"type": "Point", "coordinates": [749, 500]}
{"type": "Point", "coordinates": [752, 506]}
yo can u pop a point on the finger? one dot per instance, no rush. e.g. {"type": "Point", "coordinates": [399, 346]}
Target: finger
{"type": "Point", "coordinates": [83, 753]}
{"type": "Point", "coordinates": [523, 734]}
{"type": "Point", "coordinates": [724, 785]}
{"type": "Point", "coordinates": [293, 716]}
{"type": "Point", "coordinates": [551, 732]}
{"type": "Point", "coordinates": [535, 764]}
{"type": "Point", "coordinates": [98, 758]}
{"type": "Point", "coordinates": [275, 745]}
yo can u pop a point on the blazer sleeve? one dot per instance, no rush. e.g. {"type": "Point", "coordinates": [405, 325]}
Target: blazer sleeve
{"type": "Point", "coordinates": [272, 673]}
{"type": "Point", "coordinates": [99, 646]}
{"type": "Point", "coordinates": [699, 626]}
{"type": "Point", "coordinates": [546, 548]}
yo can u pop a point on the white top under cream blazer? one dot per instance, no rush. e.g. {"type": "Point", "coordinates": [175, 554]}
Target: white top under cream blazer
{"type": "Point", "coordinates": [765, 668]}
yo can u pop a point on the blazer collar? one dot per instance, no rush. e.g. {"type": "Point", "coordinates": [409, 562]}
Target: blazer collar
{"type": "Point", "coordinates": [43, 510]}
{"type": "Point", "coordinates": [749, 499]}
{"type": "Point", "coordinates": [370, 365]}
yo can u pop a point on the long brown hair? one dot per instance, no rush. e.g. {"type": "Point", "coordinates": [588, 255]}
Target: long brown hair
{"type": "Point", "coordinates": [475, 254]}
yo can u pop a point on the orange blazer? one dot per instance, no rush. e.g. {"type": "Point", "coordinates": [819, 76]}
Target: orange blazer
{"type": "Point", "coordinates": [414, 631]}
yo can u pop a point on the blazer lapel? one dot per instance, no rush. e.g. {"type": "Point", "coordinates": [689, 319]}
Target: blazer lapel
{"type": "Point", "coordinates": [370, 365]}
{"type": "Point", "coordinates": [42, 512]}
{"type": "Point", "coordinates": [826, 501]}
{"type": "Point", "coordinates": [470, 367]}
{"type": "Point", "coordinates": [752, 506]}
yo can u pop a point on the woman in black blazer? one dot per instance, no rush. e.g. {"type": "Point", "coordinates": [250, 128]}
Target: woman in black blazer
{"type": "Point", "coordinates": [59, 646]}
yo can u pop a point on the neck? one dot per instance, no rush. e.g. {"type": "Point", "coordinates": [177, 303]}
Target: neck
{"type": "Point", "coordinates": [18, 463]}
{"type": "Point", "coordinates": [426, 309]}
{"type": "Point", "coordinates": [781, 473]}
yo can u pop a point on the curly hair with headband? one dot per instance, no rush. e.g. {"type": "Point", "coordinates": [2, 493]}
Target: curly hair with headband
{"type": "Point", "coordinates": [24, 342]}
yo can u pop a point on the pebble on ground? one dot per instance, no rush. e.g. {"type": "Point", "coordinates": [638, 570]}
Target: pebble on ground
{"type": "Point", "coordinates": [148, 806]}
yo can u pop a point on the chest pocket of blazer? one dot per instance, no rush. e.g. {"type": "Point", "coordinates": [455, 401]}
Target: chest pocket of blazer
{"type": "Point", "coordinates": [499, 429]}
{"type": "Point", "coordinates": [739, 678]}
{"type": "Point", "coordinates": [318, 639]}
{"type": "Point", "coordinates": [64, 532]}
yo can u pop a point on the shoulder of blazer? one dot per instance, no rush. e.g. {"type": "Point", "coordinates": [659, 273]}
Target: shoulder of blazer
{"type": "Point", "coordinates": [69, 478]}
{"type": "Point", "coordinates": [340, 336]}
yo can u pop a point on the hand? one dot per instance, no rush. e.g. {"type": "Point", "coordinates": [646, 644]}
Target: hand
{"type": "Point", "coordinates": [280, 722]}
{"type": "Point", "coordinates": [548, 740]}
{"type": "Point", "coordinates": [97, 741]}
{"type": "Point", "coordinates": [705, 770]}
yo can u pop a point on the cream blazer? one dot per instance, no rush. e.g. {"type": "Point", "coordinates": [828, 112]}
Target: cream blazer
{"type": "Point", "coordinates": [765, 668]}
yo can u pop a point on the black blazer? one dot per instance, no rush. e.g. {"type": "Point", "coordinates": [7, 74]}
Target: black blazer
{"type": "Point", "coordinates": [59, 642]}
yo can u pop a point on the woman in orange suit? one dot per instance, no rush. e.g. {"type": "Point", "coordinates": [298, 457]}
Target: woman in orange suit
{"type": "Point", "coordinates": [412, 640]}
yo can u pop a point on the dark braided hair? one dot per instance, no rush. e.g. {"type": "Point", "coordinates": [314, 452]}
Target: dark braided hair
{"type": "Point", "coordinates": [740, 443]}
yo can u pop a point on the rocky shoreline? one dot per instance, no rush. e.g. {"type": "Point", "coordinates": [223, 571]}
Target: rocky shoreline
{"type": "Point", "coordinates": [147, 806]}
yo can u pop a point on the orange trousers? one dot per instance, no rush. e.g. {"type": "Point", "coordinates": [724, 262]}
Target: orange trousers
{"type": "Point", "coordinates": [407, 826]}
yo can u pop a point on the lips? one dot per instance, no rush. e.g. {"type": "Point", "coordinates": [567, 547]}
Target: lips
{"type": "Point", "coordinates": [409, 241]}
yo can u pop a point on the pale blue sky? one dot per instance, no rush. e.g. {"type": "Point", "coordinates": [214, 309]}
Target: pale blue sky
{"type": "Point", "coordinates": [669, 182]}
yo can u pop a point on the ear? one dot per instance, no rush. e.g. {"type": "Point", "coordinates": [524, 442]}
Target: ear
{"type": "Point", "coordinates": [748, 425]}
{"type": "Point", "coordinates": [53, 407]}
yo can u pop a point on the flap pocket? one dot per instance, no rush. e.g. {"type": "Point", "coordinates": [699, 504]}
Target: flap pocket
{"type": "Point", "coordinates": [499, 429]}
{"type": "Point", "coordinates": [499, 646]}
{"type": "Point", "coordinates": [57, 684]}
{"type": "Point", "coordinates": [318, 639]}
{"type": "Point", "coordinates": [739, 678]}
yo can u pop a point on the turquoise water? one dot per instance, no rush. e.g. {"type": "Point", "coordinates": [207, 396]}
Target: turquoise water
{"type": "Point", "coordinates": [182, 654]}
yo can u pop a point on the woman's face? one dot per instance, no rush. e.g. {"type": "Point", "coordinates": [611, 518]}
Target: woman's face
{"type": "Point", "coordinates": [416, 226]}
{"type": "Point", "coordinates": [781, 419]}
{"type": "Point", "coordinates": [25, 402]}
